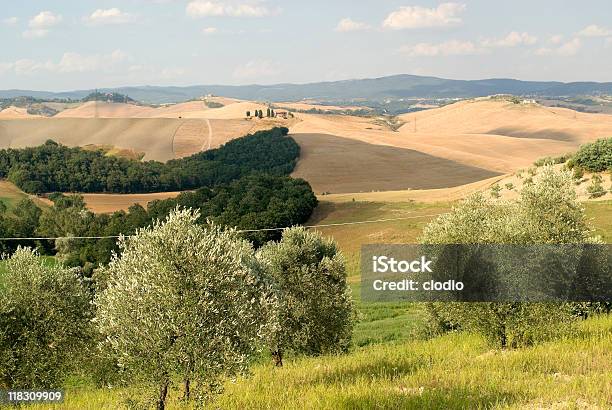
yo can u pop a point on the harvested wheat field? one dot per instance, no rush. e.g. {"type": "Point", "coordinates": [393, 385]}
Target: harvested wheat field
{"type": "Point", "coordinates": [97, 109]}
{"type": "Point", "coordinates": [159, 139]}
{"type": "Point", "coordinates": [505, 118]}
{"type": "Point", "coordinates": [151, 136]}
{"type": "Point", "coordinates": [13, 112]}
{"type": "Point", "coordinates": [190, 137]}
{"type": "Point", "coordinates": [10, 195]}
{"type": "Point", "coordinates": [189, 109]}
{"type": "Point", "coordinates": [107, 203]}
{"type": "Point", "coordinates": [229, 112]}
{"type": "Point", "coordinates": [494, 136]}
{"type": "Point", "coordinates": [341, 165]}
{"type": "Point", "coordinates": [417, 195]}
{"type": "Point", "coordinates": [305, 106]}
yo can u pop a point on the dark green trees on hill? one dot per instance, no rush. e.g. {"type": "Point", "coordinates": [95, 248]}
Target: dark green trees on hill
{"type": "Point", "coordinates": [253, 202]}
{"type": "Point", "coordinates": [596, 156]}
{"type": "Point", "coordinates": [52, 167]}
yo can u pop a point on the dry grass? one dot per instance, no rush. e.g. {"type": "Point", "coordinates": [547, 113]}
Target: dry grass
{"type": "Point", "coordinates": [191, 136]}
{"type": "Point", "coordinates": [160, 139]}
{"type": "Point", "coordinates": [107, 203]}
{"type": "Point", "coordinates": [10, 195]}
{"type": "Point", "coordinates": [342, 165]}
{"type": "Point", "coordinates": [494, 135]}
{"type": "Point", "coordinates": [12, 112]}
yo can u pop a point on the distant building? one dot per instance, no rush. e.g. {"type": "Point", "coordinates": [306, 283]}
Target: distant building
{"type": "Point", "coordinates": [283, 114]}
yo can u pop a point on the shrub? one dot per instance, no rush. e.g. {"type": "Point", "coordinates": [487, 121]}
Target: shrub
{"type": "Point", "coordinates": [509, 186]}
{"type": "Point", "coordinates": [596, 156]}
{"type": "Point", "coordinates": [316, 312]}
{"type": "Point", "coordinates": [546, 212]}
{"type": "Point", "coordinates": [578, 173]}
{"type": "Point", "coordinates": [552, 160]}
{"type": "Point", "coordinates": [185, 300]}
{"type": "Point", "coordinates": [45, 316]}
{"type": "Point", "coordinates": [495, 190]}
{"type": "Point", "coordinates": [596, 189]}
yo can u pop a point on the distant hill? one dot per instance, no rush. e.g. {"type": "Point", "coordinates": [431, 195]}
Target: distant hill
{"type": "Point", "coordinates": [376, 89]}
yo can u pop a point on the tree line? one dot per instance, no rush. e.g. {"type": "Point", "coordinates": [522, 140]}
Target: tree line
{"type": "Point", "coordinates": [52, 167]}
{"type": "Point", "coordinates": [253, 202]}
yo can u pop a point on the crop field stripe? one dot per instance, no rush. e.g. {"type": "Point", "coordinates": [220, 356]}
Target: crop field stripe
{"type": "Point", "coordinates": [238, 231]}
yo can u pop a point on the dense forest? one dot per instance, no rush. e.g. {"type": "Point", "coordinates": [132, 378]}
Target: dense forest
{"type": "Point", "coordinates": [56, 168]}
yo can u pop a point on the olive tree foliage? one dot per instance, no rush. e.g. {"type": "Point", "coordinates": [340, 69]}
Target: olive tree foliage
{"type": "Point", "coordinates": [546, 212]}
{"type": "Point", "coordinates": [45, 321]}
{"type": "Point", "coordinates": [185, 300]}
{"type": "Point", "coordinates": [316, 314]}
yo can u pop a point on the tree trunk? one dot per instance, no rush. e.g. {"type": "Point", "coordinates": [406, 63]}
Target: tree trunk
{"type": "Point", "coordinates": [187, 390]}
{"type": "Point", "coordinates": [277, 356]}
{"type": "Point", "coordinates": [502, 337]}
{"type": "Point", "coordinates": [163, 393]}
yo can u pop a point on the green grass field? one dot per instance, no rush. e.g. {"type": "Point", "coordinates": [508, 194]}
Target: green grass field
{"type": "Point", "coordinates": [455, 371]}
{"type": "Point", "coordinates": [389, 368]}
{"type": "Point", "coordinates": [600, 214]}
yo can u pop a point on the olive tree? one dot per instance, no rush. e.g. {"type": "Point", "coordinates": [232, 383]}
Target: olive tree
{"type": "Point", "coordinates": [316, 312]}
{"type": "Point", "coordinates": [45, 321]}
{"type": "Point", "coordinates": [546, 212]}
{"type": "Point", "coordinates": [184, 300]}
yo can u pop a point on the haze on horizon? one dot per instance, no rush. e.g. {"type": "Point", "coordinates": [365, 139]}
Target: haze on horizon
{"type": "Point", "coordinates": [65, 45]}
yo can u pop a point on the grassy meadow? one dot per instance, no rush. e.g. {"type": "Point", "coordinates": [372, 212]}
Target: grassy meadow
{"type": "Point", "coordinates": [455, 371]}
{"type": "Point", "coordinates": [390, 366]}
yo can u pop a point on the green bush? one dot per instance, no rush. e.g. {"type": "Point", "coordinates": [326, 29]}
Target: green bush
{"type": "Point", "coordinates": [45, 316]}
{"type": "Point", "coordinates": [596, 189]}
{"type": "Point", "coordinates": [546, 212]}
{"type": "Point", "coordinates": [188, 301]}
{"type": "Point", "coordinates": [578, 173]}
{"type": "Point", "coordinates": [316, 311]}
{"type": "Point", "coordinates": [495, 190]}
{"type": "Point", "coordinates": [596, 156]}
{"type": "Point", "coordinates": [552, 160]}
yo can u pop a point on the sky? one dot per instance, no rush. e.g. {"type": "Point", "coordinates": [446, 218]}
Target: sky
{"type": "Point", "coordinates": [65, 45]}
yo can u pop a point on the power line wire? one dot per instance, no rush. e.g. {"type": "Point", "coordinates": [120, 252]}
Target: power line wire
{"type": "Point", "coordinates": [239, 231]}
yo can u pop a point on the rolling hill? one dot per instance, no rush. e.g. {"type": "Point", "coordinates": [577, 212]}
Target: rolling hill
{"type": "Point", "coordinates": [479, 139]}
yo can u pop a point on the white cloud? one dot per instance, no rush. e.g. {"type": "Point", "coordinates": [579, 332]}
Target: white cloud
{"type": "Point", "coordinates": [556, 39]}
{"type": "Point", "coordinates": [40, 24]}
{"type": "Point", "coordinates": [347, 24]}
{"type": "Point", "coordinates": [257, 69]}
{"type": "Point", "coordinates": [219, 8]}
{"type": "Point", "coordinates": [595, 31]}
{"type": "Point", "coordinates": [446, 14]}
{"type": "Point", "coordinates": [567, 49]}
{"type": "Point", "coordinates": [108, 16]}
{"type": "Point", "coordinates": [514, 39]}
{"type": "Point", "coordinates": [448, 48]}
{"type": "Point", "coordinates": [10, 21]}
{"type": "Point", "coordinates": [75, 62]}
{"type": "Point", "coordinates": [210, 30]}
{"type": "Point", "coordinates": [71, 63]}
